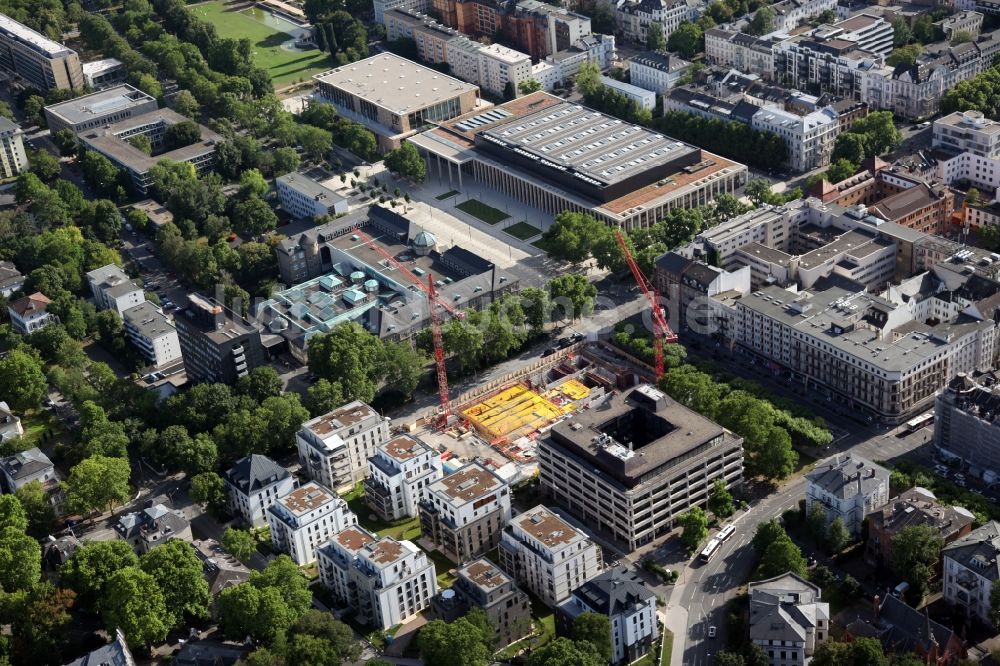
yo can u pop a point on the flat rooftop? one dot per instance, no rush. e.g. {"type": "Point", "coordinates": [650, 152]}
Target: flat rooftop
{"type": "Point", "coordinates": [972, 120]}
{"type": "Point", "coordinates": [547, 528]}
{"type": "Point", "coordinates": [484, 574]}
{"type": "Point", "coordinates": [306, 498]}
{"type": "Point", "coordinates": [384, 551]}
{"type": "Point", "coordinates": [396, 84]}
{"type": "Point", "coordinates": [504, 54]}
{"type": "Point", "coordinates": [148, 320]}
{"type": "Point", "coordinates": [854, 242]}
{"type": "Point", "coordinates": [404, 447]}
{"type": "Point", "coordinates": [859, 22]}
{"type": "Point", "coordinates": [308, 184]}
{"type": "Point", "coordinates": [634, 434]}
{"type": "Point", "coordinates": [467, 484]}
{"type": "Point", "coordinates": [592, 144]}
{"type": "Point", "coordinates": [37, 41]}
{"type": "Point", "coordinates": [354, 538]}
{"type": "Point", "coordinates": [343, 417]}
{"type": "Point", "coordinates": [233, 325]}
{"type": "Point", "coordinates": [95, 67]}
{"type": "Point", "coordinates": [101, 103]}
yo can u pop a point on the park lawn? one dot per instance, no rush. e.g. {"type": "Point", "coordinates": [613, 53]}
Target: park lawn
{"type": "Point", "coordinates": [36, 423]}
{"type": "Point", "coordinates": [440, 197]}
{"type": "Point", "coordinates": [285, 67]}
{"type": "Point", "coordinates": [523, 230]}
{"type": "Point", "coordinates": [487, 214]}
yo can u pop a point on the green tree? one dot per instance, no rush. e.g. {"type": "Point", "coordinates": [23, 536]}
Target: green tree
{"type": "Point", "coordinates": [655, 40]}
{"type": "Point", "coordinates": [695, 526]}
{"type": "Point", "coordinates": [253, 217]}
{"type": "Point", "coordinates": [972, 196]}
{"type": "Point", "coordinates": [324, 396]}
{"type": "Point", "coordinates": [253, 184]}
{"type": "Point", "coordinates": [66, 142]}
{"type": "Point", "coordinates": [350, 356]}
{"type": "Point", "coordinates": [240, 543]}
{"type": "Point", "coordinates": [133, 602]}
{"type": "Point", "coordinates": [22, 382]}
{"type": "Point", "coordinates": [178, 572]}
{"type": "Point", "coordinates": [851, 147]}
{"type": "Point", "coordinates": [142, 143]}
{"type": "Point", "coordinates": [915, 551]}
{"type": "Point", "coordinates": [564, 652]}
{"type": "Point", "coordinates": [35, 500]}
{"type": "Point", "coordinates": [20, 560]}
{"type": "Point", "coordinates": [762, 21]}
{"type": "Point", "coordinates": [186, 104]}
{"type": "Point", "coordinates": [759, 192]}
{"type": "Point", "coordinates": [323, 625]}
{"type": "Point", "coordinates": [405, 161]}
{"type": "Point", "coordinates": [573, 294]}
{"type": "Point", "coordinates": [962, 37]}
{"type": "Point", "coordinates": [720, 502]}
{"type": "Point", "coordinates": [767, 533]}
{"type": "Point", "coordinates": [688, 39]}
{"type": "Point", "coordinates": [901, 33]}
{"type": "Point", "coordinates": [96, 482]}
{"type": "Point", "coordinates": [837, 537]}
{"type": "Point", "coordinates": [12, 513]}
{"type": "Point", "coordinates": [588, 78]}
{"type": "Point", "coordinates": [99, 172]}
{"type": "Point", "coordinates": [404, 366]}
{"type": "Point", "coordinates": [182, 134]}
{"type": "Point", "coordinates": [459, 643]}
{"type": "Point", "coordinates": [315, 141]}
{"type": "Point", "coordinates": [44, 164]}
{"type": "Point", "coordinates": [595, 629]}
{"type": "Point", "coordinates": [904, 55]}
{"type": "Point", "coordinates": [536, 306]}
{"type": "Point", "coordinates": [995, 602]}
{"type": "Point", "coordinates": [816, 522]}
{"type": "Point", "coordinates": [571, 236]}
{"type": "Point", "coordinates": [93, 564]}
{"type": "Point", "coordinates": [260, 383]}
{"type": "Point", "coordinates": [529, 86]}
{"type": "Point", "coordinates": [840, 170]}
{"type": "Point", "coordinates": [782, 556]}
{"type": "Point", "coordinates": [209, 490]}
{"type": "Point", "coordinates": [267, 605]}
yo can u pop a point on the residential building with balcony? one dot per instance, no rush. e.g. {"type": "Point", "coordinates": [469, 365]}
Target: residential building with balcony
{"type": "Point", "coordinates": [788, 620]}
{"type": "Point", "coordinates": [13, 159]}
{"type": "Point", "coordinates": [656, 71]}
{"type": "Point", "coordinates": [398, 476]}
{"type": "Point", "coordinates": [916, 506]}
{"type": "Point", "coordinates": [305, 519]}
{"type": "Point", "coordinates": [218, 346]}
{"type": "Point", "coordinates": [254, 483]}
{"type": "Point", "coordinates": [969, 570]}
{"type": "Point", "coordinates": [482, 584]}
{"type": "Point", "coordinates": [967, 423]}
{"type": "Point", "coordinates": [547, 555]}
{"type": "Point", "coordinates": [153, 334]}
{"type": "Point", "coordinates": [464, 513]}
{"type": "Point", "coordinates": [847, 487]}
{"type": "Point", "coordinates": [631, 467]}
{"type": "Point", "coordinates": [334, 448]}
{"type": "Point", "coordinates": [30, 313]}
{"type": "Point", "coordinates": [113, 290]}
{"type": "Point", "coordinates": [633, 17]}
{"type": "Point", "coordinates": [629, 606]}
{"type": "Point", "coordinates": [384, 581]}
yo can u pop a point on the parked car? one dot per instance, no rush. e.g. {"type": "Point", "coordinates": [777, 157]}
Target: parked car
{"type": "Point", "coordinates": [712, 631]}
{"type": "Point", "coordinates": [549, 352]}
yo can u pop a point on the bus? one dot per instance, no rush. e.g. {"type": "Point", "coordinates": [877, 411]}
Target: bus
{"type": "Point", "coordinates": [919, 422]}
{"type": "Point", "coordinates": [710, 550]}
{"type": "Point", "coordinates": [725, 533]}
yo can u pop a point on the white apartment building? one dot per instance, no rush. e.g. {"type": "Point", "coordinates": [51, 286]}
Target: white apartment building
{"type": "Point", "coordinates": [384, 581]}
{"type": "Point", "coordinates": [633, 17]}
{"type": "Point", "coordinates": [30, 313]}
{"type": "Point", "coordinates": [598, 49]}
{"type": "Point", "coordinates": [152, 333]}
{"type": "Point", "coordinates": [809, 138]}
{"type": "Point", "coordinates": [658, 72]}
{"type": "Point", "coordinates": [305, 519]}
{"type": "Point", "coordinates": [491, 67]}
{"type": "Point", "coordinates": [969, 568]}
{"type": "Point", "coordinates": [304, 198]}
{"type": "Point", "coordinates": [788, 14]}
{"type": "Point", "coordinates": [20, 469]}
{"type": "Point", "coordinates": [629, 606]}
{"type": "Point", "coordinates": [744, 52]}
{"type": "Point", "coordinates": [254, 483]}
{"type": "Point", "coordinates": [398, 475]}
{"type": "Point", "coordinates": [547, 555]}
{"type": "Point", "coordinates": [334, 448]}
{"type": "Point", "coordinates": [547, 75]}
{"type": "Point", "coordinates": [848, 487]}
{"type": "Point", "coordinates": [973, 141]}
{"type": "Point", "coordinates": [646, 99]}
{"type": "Point", "coordinates": [787, 619]}
{"type": "Point", "coordinates": [464, 512]}
{"type": "Point", "coordinates": [113, 290]}
{"type": "Point", "coordinates": [13, 159]}
{"type": "Point", "coordinates": [382, 6]}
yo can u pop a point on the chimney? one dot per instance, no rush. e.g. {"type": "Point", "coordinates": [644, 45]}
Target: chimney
{"type": "Point", "coordinates": [860, 492]}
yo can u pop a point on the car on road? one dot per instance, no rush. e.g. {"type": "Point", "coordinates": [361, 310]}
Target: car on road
{"type": "Point", "coordinates": [961, 483]}
{"type": "Point", "coordinates": [712, 631]}
{"type": "Point", "coordinates": [549, 352]}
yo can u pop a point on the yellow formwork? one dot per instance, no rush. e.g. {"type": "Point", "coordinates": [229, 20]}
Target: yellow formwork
{"type": "Point", "coordinates": [514, 412]}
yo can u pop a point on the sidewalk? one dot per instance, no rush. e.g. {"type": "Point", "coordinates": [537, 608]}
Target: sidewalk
{"type": "Point", "coordinates": [675, 618]}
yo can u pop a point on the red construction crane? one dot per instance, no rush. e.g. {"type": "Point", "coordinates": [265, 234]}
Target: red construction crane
{"type": "Point", "coordinates": [432, 302]}
{"type": "Point", "coordinates": [661, 330]}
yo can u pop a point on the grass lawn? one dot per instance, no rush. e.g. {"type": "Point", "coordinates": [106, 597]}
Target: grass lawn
{"type": "Point", "coordinates": [284, 66]}
{"type": "Point", "coordinates": [447, 195]}
{"type": "Point", "coordinates": [442, 565]}
{"type": "Point", "coordinates": [487, 214]}
{"type": "Point", "coordinates": [668, 646]}
{"type": "Point", "coordinates": [404, 529]}
{"type": "Point", "coordinates": [36, 424]}
{"type": "Point", "coordinates": [540, 244]}
{"type": "Point", "coordinates": [523, 230]}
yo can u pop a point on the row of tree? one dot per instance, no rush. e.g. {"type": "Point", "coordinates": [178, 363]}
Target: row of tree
{"type": "Point", "coordinates": [731, 139]}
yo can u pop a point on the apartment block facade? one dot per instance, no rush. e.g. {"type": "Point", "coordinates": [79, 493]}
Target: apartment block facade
{"type": "Point", "coordinates": [305, 519]}
{"type": "Point", "coordinates": [253, 484]}
{"type": "Point", "coordinates": [41, 62]}
{"type": "Point", "coordinates": [13, 158]}
{"type": "Point", "coordinates": [334, 448]}
{"type": "Point", "coordinates": [398, 476]}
